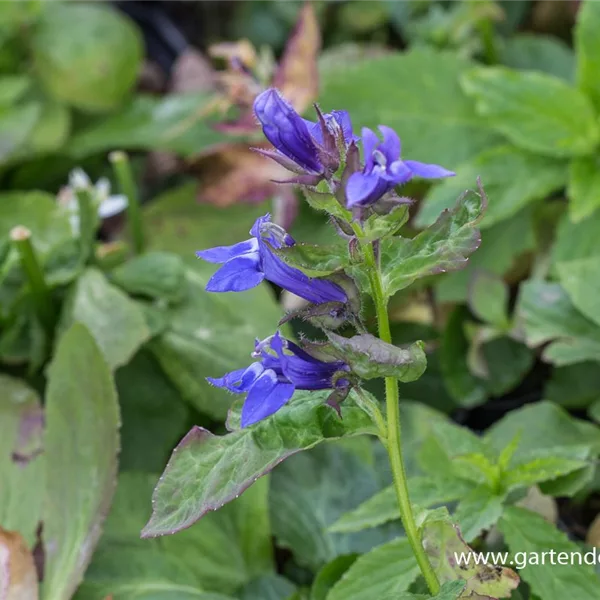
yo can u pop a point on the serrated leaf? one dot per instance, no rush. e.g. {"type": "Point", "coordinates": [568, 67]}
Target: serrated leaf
{"type": "Point", "coordinates": [546, 313]}
{"type": "Point", "coordinates": [384, 572]}
{"type": "Point", "coordinates": [115, 321]}
{"type": "Point", "coordinates": [378, 226]}
{"type": "Point", "coordinates": [587, 47]}
{"type": "Point", "coordinates": [501, 248]}
{"type": "Point", "coordinates": [444, 246]}
{"type": "Point", "coordinates": [21, 458]}
{"type": "Point", "coordinates": [370, 357]}
{"type": "Point", "coordinates": [315, 488]}
{"type": "Point", "coordinates": [437, 122]}
{"type": "Point", "coordinates": [535, 111]}
{"type": "Point", "coordinates": [480, 509]}
{"type": "Point", "coordinates": [229, 464]}
{"type": "Point", "coordinates": [79, 485]}
{"type": "Point", "coordinates": [314, 260]}
{"type": "Point", "coordinates": [93, 68]}
{"type": "Point", "coordinates": [209, 335]}
{"type": "Point", "coordinates": [584, 187]}
{"type": "Point", "coordinates": [444, 544]}
{"type": "Point", "coordinates": [156, 275]}
{"type": "Point", "coordinates": [576, 240]}
{"type": "Point", "coordinates": [581, 280]}
{"type": "Point", "coordinates": [527, 532]}
{"type": "Point", "coordinates": [513, 179]}
{"type": "Point", "coordinates": [539, 470]}
{"type": "Point", "coordinates": [383, 507]}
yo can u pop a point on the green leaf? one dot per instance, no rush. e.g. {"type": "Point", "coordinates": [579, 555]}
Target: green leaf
{"type": "Point", "coordinates": [548, 431]}
{"type": "Point", "coordinates": [488, 299]}
{"type": "Point", "coordinates": [575, 386]}
{"type": "Point", "coordinates": [378, 226]}
{"type": "Point", "coordinates": [369, 357]}
{"type": "Point", "coordinates": [51, 131]}
{"type": "Point", "coordinates": [465, 389]}
{"type": "Point", "coordinates": [16, 125]}
{"type": "Point", "coordinates": [501, 247]}
{"type": "Point", "coordinates": [384, 572]}
{"type": "Point", "coordinates": [535, 111]}
{"type": "Point", "coordinates": [13, 87]}
{"type": "Point", "coordinates": [96, 65]}
{"type": "Point", "coordinates": [437, 122]}
{"type": "Point", "coordinates": [581, 280]}
{"type": "Point", "coordinates": [226, 465]}
{"type": "Point", "coordinates": [546, 313]}
{"type": "Point", "coordinates": [146, 396]}
{"type": "Point", "coordinates": [512, 178]}
{"type": "Point", "coordinates": [525, 531]}
{"type": "Point", "coordinates": [584, 187]}
{"type": "Point", "coordinates": [226, 550]}
{"type": "Point", "coordinates": [210, 335]}
{"type": "Point", "coordinates": [330, 574]}
{"type": "Point", "coordinates": [480, 509]}
{"type": "Point", "coordinates": [443, 543]}
{"type": "Point", "coordinates": [21, 458]}
{"type": "Point", "coordinates": [40, 213]}
{"type": "Point", "coordinates": [309, 493]}
{"type": "Point", "coordinates": [314, 260]}
{"type": "Point", "coordinates": [587, 48]}
{"type": "Point", "coordinates": [176, 123]}
{"type": "Point", "coordinates": [115, 321]}
{"type": "Point", "coordinates": [176, 222]}
{"type": "Point", "coordinates": [81, 460]}
{"type": "Point", "coordinates": [444, 246]}
{"type": "Point", "coordinates": [538, 52]}
{"type": "Point", "coordinates": [381, 508]}
{"type": "Point", "coordinates": [268, 587]}
{"type": "Point", "coordinates": [539, 470]}
{"type": "Point", "coordinates": [156, 275]}
{"type": "Point", "coordinates": [576, 240]}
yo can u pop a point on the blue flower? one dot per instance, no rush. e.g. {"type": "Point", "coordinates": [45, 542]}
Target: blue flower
{"type": "Point", "coordinates": [296, 140]}
{"type": "Point", "coordinates": [248, 263]}
{"type": "Point", "coordinates": [270, 382]}
{"type": "Point", "coordinates": [384, 169]}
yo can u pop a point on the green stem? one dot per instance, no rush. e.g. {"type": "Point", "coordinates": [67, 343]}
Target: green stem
{"type": "Point", "coordinates": [124, 175]}
{"type": "Point", "coordinates": [88, 221]}
{"type": "Point", "coordinates": [394, 447]}
{"type": "Point", "coordinates": [21, 238]}
{"type": "Point", "coordinates": [486, 32]}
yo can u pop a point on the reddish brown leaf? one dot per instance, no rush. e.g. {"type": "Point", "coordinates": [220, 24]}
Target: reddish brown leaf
{"type": "Point", "coordinates": [297, 75]}
{"type": "Point", "coordinates": [18, 576]}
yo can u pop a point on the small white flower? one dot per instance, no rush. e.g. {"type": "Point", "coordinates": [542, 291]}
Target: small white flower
{"type": "Point", "coordinates": [107, 205]}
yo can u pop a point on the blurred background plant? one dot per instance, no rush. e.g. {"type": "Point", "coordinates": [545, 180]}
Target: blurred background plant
{"type": "Point", "coordinates": [507, 91]}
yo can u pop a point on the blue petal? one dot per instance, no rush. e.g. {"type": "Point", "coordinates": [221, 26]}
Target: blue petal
{"type": "Point", "coordinates": [318, 291]}
{"type": "Point", "coordinates": [222, 254]}
{"type": "Point", "coordinates": [266, 397]}
{"type": "Point", "coordinates": [390, 145]}
{"type": "Point", "coordinates": [343, 119]}
{"type": "Point", "coordinates": [370, 143]}
{"type": "Point", "coordinates": [237, 275]}
{"type": "Point", "coordinates": [362, 190]}
{"type": "Point", "coordinates": [228, 381]}
{"type": "Point", "coordinates": [398, 173]}
{"type": "Point", "coordinates": [428, 171]}
{"type": "Point", "coordinates": [255, 231]}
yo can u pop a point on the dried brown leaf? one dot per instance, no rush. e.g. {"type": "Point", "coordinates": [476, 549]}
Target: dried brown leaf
{"type": "Point", "coordinates": [18, 576]}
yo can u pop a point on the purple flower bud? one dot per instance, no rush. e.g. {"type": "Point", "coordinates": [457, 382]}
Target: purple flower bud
{"type": "Point", "coordinates": [314, 147]}
{"type": "Point", "coordinates": [248, 263]}
{"type": "Point", "coordinates": [384, 169]}
{"type": "Point", "coordinates": [283, 368]}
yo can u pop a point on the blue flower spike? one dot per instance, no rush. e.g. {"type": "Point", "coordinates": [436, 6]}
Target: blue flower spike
{"type": "Point", "coordinates": [282, 368]}
{"type": "Point", "coordinates": [248, 263]}
{"type": "Point", "coordinates": [384, 169]}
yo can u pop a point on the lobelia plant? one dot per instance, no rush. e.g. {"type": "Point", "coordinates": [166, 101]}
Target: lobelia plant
{"type": "Point", "coordinates": [298, 395]}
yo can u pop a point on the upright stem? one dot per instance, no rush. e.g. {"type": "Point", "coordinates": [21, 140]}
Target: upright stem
{"type": "Point", "coordinates": [21, 238]}
{"type": "Point", "coordinates": [394, 447]}
{"type": "Point", "coordinates": [124, 175]}
{"type": "Point", "coordinates": [88, 220]}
